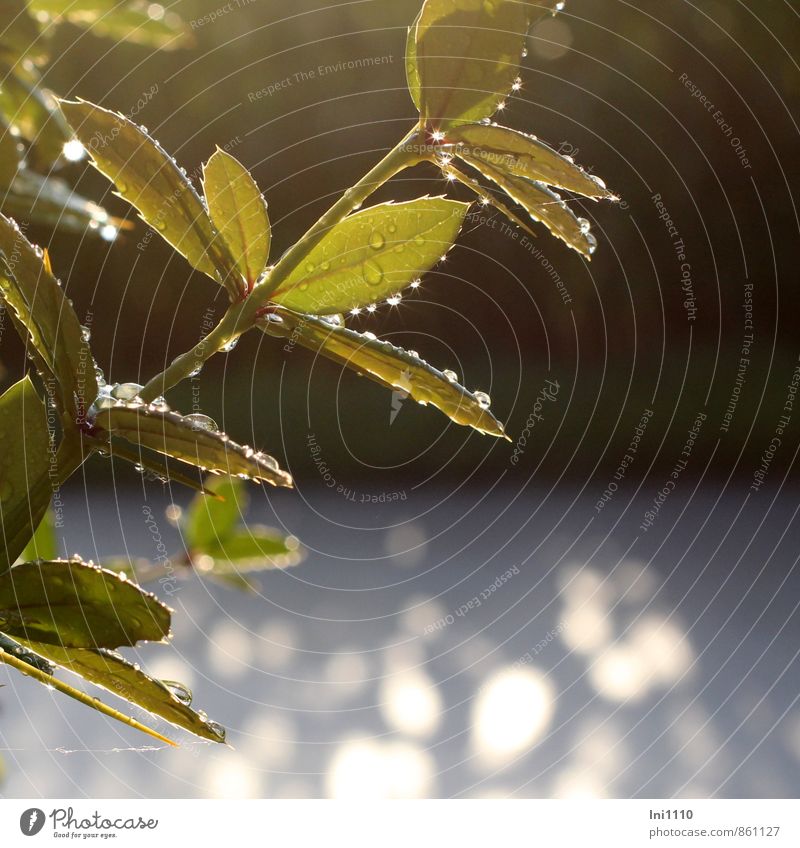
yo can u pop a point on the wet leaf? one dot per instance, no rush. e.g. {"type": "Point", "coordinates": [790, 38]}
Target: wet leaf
{"type": "Point", "coordinates": [177, 436]}
{"type": "Point", "coordinates": [151, 182]}
{"type": "Point", "coordinates": [156, 464]}
{"type": "Point", "coordinates": [541, 204]}
{"type": "Point", "coordinates": [388, 365]}
{"type": "Point", "coordinates": [10, 646]}
{"type": "Point", "coordinates": [131, 21]}
{"type": "Point", "coordinates": [78, 605]}
{"type": "Point", "coordinates": [40, 306]}
{"type": "Point", "coordinates": [24, 484]}
{"type": "Point", "coordinates": [43, 544]}
{"type": "Point", "coordinates": [32, 109]}
{"type": "Point", "coordinates": [211, 520]}
{"type": "Point", "coordinates": [372, 254]}
{"type": "Point", "coordinates": [525, 156]}
{"type": "Point", "coordinates": [51, 202]}
{"type": "Point", "coordinates": [239, 213]}
{"type": "Point", "coordinates": [117, 675]}
{"type": "Point", "coordinates": [52, 682]}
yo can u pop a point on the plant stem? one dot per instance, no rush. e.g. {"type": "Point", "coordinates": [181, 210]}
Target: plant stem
{"type": "Point", "coordinates": [242, 317]}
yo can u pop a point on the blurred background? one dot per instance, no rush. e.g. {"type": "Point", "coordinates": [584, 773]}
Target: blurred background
{"type": "Point", "coordinates": [616, 648]}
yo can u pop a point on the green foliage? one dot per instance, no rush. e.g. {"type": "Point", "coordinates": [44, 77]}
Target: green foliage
{"type": "Point", "coordinates": [24, 486]}
{"type": "Point", "coordinates": [371, 255]}
{"type": "Point", "coordinates": [239, 213]}
{"type": "Point", "coordinates": [78, 605]}
{"type": "Point", "coordinates": [462, 60]}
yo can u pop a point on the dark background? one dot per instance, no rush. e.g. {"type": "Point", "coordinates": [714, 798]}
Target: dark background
{"type": "Point", "coordinates": [603, 78]}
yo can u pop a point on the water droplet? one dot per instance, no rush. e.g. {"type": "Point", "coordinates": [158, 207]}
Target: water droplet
{"type": "Point", "coordinates": [198, 421]}
{"type": "Point", "coordinates": [394, 300]}
{"type": "Point", "coordinates": [125, 391]}
{"type": "Point", "coordinates": [103, 402]}
{"type": "Point", "coordinates": [108, 232]}
{"type": "Point", "coordinates": [392, 228]}
{"type": "Point", "coordinates": [376, 240]}
{"type": "Point", "coordinates": [584, 225]}
{"type": "Point", "coordinates": [336, 320]}
{"type": "Point", "coordinates": [451, 375]}
{"type": "Point", "coordinates": [230, 345]}
{"type": "Point", "coordinates": [198, 368]}
{"type": "Point", "coordinates": [370, 336]}
{"type": "Point", "coordinates": [373, 273]}
{"type": "Point", "coordinates": [179, 691]}
{"type": "Point", "coordinates": [524, 53]}
{"type": "Point", "coordinates": [484, 401]}
{"type": "Point", "coordinates": [413, 353]}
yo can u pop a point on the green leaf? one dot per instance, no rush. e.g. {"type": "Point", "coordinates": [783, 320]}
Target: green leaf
{"type": "Point", "coordinates": [541, 204]}
{"type": "Point", "coordinates": [183, 438]}
{"type": "Point", "coordinates": [24, 465]}
{"type": "Point", "coordinates": [122, 678]}
{"type": "Point", "coordinates": [131, 21]}
{"type": "Point", "coordinates": [43, 544]}
{"type": "Point", "coordinates": [525, 156]}
{"type": "Point", "coordinates": [210, 520]}
{"type": "Point", "coordinates": [412, 67]}
{"type": "Point", "coordinates": [41, 307]}
{"type": "Point", "coordinates": [255, 548]}
{"type": "Point", "coordinates": [239, 213]}
{"type": "Point", "coordinates": [32, 109]}
{"type": "Point", "coordinates": [468, 54]}
{"type": "Point", "coordinates": [78, 605]}
{"type": "Point", "coordinates": [27, 668]}
{"type": "Point", "coordinates": [156, 464]}
{"type": "Point", "coordinates": [372, 254]}
{"type": "Point", "coordinates": [152, 183]}
{"type": "Point", "coordinates": [388, 365]}
{"type": "Point", "coordinates": [51, 202]}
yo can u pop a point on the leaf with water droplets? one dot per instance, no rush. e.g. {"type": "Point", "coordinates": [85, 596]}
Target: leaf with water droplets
{"type": "Point", "coordinates": [169, 433]}
{"type": "Point", "coordinates": [51, 202]}
{"type": "Point", "coordinates": [239, 213]}
{"type": "Point", "coordinates": [151, 182]}
{"type": "Point", "coordinates": [467, 55]}
{"type": "Point", "coordinates": [541, 204]}
{"type": "Point", "coordinates": [24, 465]}
{"type": "Point", "coordinates": [412, 66]}
{"type": "Point", "coordinates": [371, 255]}
{"type": "Point", "coordinates": [388, 365]}
{"type": "Point", "coordinates": [156, 464]}
{"type": "Point", "coordinates": [34, 112]}
{"type": "Point", "coordinates": [136, 21]}
{"type": "Point", "coordinates": [47, 678]}
{"type": "Point", "coordinates": [41, 307]}
{"type": "Point", "coordinates": [78, 605]}
{"type": "Point", "coordinates": [524, 156]}
{"type": "Point", "coordinates": [10, 646]}
{"type": "Point", "coordinates": [43, 544]}
{"type": "Point", "coordinates": [122, 678]}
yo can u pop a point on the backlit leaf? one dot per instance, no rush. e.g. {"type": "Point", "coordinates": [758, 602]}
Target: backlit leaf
{"type": "Point", "coordinates": [157, 464]}
{"type": "Point", "coordinates": [122, 678]}
{"type": "Point", "coordinates": [525, 156]}
{"type": "Point", "coordinates": [43, 544]}
{"type": "Point", "coordinates": [78, 605]}
{"type": "Point", "coordinates": [254, 548]}
{"type": "Point", "coordinates": [47, 678]}
{"type": "Point", "coordinates": [372, 254]}
{"type": "Point", "coordinates": [40, 306]}
{"type": "Point", "coordinates": [151, 182]}
{"type": "Point", "coordinates": [24, 484]}
{"type": "Point", "coordinates": [541, 204]}
{"type": "Point", "coordinates": [209, 521]}
{"type": "Point", "coordinates": [388, 365]}
{"type": "Point", "coordinates": [182, 438]}
{"type": "Point", "coordinates": [239, 213]}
